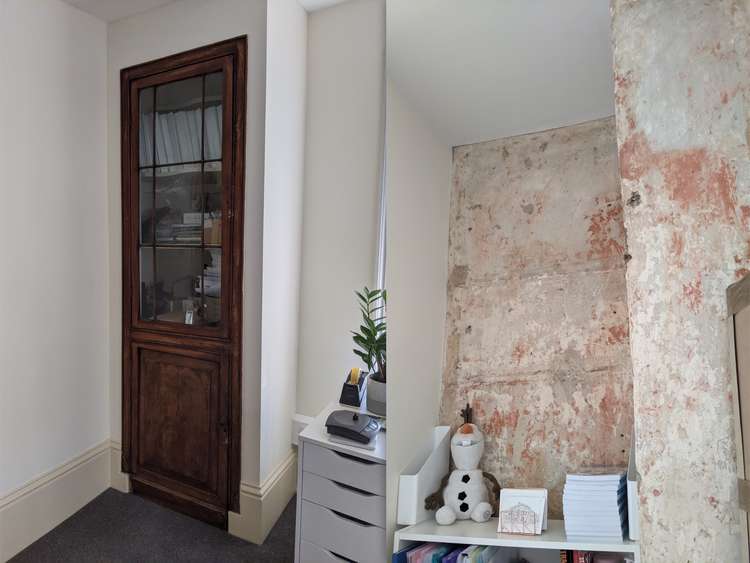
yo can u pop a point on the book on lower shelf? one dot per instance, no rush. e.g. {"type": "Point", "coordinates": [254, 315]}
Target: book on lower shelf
{"type": "Point", "coordinates": [577, 556]}
{"type": "Point", "coordinates": [435, 552]}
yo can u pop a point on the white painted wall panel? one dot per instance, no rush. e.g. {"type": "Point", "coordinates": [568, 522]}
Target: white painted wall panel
{"type": "Point", "coordinates": [53, 275]}
{"type": "Point", "coordinates": [282, 226]}
{"type": "Point", "coordinates": [418, 186]}
{"type": "Point", "coordinates": [342, 176]}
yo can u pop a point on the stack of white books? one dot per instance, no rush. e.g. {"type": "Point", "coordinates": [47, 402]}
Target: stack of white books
{"type": "Point", "coordinates": [595, 505]}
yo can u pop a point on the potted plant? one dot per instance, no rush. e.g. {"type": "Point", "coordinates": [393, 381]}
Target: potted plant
{"type": "Point", "coordinates": [370, 343]}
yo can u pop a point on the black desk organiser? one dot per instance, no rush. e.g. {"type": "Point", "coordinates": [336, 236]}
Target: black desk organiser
{"type": "Point", "coordinates": [352, 394]}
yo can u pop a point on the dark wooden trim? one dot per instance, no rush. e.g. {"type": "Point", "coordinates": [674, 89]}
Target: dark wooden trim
{"type": "Point", "coordinates": [125, 113]}
{"type": "Point", "coordinates": [238, 226]}
{"type": "Point", "coordinates": [229, 55]}
{"type": "Point", "coordinates": [232, 47]}
{"type": "Point", "coordinates": [171, 499]}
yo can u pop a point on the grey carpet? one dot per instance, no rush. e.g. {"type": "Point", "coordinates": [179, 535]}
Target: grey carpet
{"type": "Point", "coordinates": [116, 527]}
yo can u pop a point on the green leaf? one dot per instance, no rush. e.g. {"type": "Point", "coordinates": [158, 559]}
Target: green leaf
{"type": "Point", "coordinates": [370, 340]}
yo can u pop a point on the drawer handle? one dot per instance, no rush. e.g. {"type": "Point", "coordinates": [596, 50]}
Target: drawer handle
{"type": "Point", "coordinates": [353, 489]}
{"type": "Point", "coordinates": [353, 458]}
{"type": "Point", "coordinates": [351, 518]}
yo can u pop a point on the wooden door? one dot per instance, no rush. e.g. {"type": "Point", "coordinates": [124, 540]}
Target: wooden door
{"type": "Point", "coordinates": [183, 180]}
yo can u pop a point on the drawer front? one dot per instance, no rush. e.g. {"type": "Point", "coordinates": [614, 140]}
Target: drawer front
{"type": "Point", "coordinates": [344, 468]}
{"type": "Point", "coordinates": [343, 498]}
{"type": "Point", "coordinates": [338, 534]}
{"type": "Point", "coordinates": [311, 553]}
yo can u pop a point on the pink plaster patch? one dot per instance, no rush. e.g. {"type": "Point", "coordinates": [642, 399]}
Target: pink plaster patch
{"type": "Point", "coordinates": [604, 233]}
{"type": "Point", "coordinates": [745, 215]}
{"type": "Point", "coordinates": [693, 294]}
{"type": "Point", "coordinates": [635, 156]}
{"type": "Point", "coordinates": [683, 174]}
{"type": "Point", "coordinates": [676, 248]}
{"type": "Point", "coordinates": [694, 177]}
{"type": "Point", "coordinates": [499, 422]}
{"type": "Point", "coordinates": [519, 352]}
{"type": "Point", "coordinates": [609, 406]}
{"type": "Point", "coordinates": [617, 334]}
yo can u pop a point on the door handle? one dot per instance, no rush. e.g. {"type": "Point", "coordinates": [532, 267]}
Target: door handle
{"type": "Point", "coordinates": [224, 428]}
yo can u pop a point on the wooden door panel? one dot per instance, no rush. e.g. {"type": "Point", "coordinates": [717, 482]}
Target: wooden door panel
{"type": "Point", "coordinates": [177, 406]}
{"type": "Point", "coordinates": [181, 435]}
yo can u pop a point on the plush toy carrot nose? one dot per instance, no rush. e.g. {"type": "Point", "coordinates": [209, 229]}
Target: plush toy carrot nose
{"type": "Point", "coordinates": [466, 429]}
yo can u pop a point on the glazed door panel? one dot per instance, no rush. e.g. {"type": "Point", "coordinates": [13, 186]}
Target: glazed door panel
{"type": "Point", "coordinates": [183, 154]}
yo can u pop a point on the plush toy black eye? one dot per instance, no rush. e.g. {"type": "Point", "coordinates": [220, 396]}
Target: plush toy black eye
{"type": "Point", "coordinates": [465, 478]}
{"type": "Point", "coordinates": [464, 507]}
{"type": "Point", "coordinates": [461, 495]}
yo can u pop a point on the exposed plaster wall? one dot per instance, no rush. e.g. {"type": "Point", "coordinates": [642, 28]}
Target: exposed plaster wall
{"type": "Point", "coordinates": [682, 79]}
{"type": "Point", "coordinates": [537, 325]}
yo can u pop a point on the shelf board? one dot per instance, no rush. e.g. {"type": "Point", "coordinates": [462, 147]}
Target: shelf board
{"type": "Point", "coordinates": [472, 533]}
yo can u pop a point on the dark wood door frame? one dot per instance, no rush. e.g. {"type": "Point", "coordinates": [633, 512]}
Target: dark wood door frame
{"type": "Point", "coordinates": [225, 342]}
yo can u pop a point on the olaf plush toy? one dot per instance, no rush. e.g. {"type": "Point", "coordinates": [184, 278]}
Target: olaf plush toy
{"type": "Point", "coordinates": [464, 491]}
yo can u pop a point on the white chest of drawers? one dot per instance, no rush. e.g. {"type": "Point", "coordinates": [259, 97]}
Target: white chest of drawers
{"type": "Point", "coordinates": [340, 498]}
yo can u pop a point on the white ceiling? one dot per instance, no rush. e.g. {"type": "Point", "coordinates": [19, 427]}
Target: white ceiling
{"type": "Point", "coordinates": [313, 5]}
{"type": "Point", "coordinates": [111, 10]}
{"type": "Point", "coordinates": [487, 69]}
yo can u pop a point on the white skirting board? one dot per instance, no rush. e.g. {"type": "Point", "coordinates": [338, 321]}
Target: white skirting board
{"type": "Point", "coordinates": [261, 506]}
{"type": "Point", "coordinates": [299, 423]}
{"type": "Point", "coordinates": [117, 479]}
{"type": "Point", "coordinates": [31, 511]}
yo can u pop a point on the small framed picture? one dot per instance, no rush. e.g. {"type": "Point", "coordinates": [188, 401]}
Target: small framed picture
{"type": "Point", "coordinates": [188, 317]}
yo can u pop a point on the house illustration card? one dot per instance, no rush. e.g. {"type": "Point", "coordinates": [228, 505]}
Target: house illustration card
{"type": "Point", "coordinates": [522, 511]}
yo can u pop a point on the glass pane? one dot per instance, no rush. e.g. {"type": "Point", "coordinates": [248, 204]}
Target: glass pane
{"type": "Point", "coordinates": [212, 203]}
{"type": "Point", "coordinates": [147, 283]}
{"type": "Point", "coordinates": [213, 120]}
{"type": "Point", "coordinates": [212, 284]}
{"type": "Point", "coordinates": [146, 127]}
{"type": "Point", "coordinates": [178, 204]}
{"type": "Point", "coordinates": [178, 121]}
{"type": "Point", "coordinates": [178, 272]}
{"type": "Point", "coordinates": [146, 198]}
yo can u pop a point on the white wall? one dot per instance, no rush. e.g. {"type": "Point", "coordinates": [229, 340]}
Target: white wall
{"type": "Point", "coordinates": [342, 175]}
{"type": "Point", "coordinates": [286, 65]}
{"type": "Point", "coordinates": [488, 69]}
{"type": "Point", "coordinates": [418, 198]}
{"type": "Point", "coordinates": [164, 31]}
{"type": "Point", "coordinates": [53, 279]}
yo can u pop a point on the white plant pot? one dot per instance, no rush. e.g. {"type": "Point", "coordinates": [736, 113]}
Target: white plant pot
{"type": "Point", "coordinates": [376, 397]}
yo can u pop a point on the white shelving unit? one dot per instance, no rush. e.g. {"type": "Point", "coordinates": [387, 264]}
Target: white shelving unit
{"type": "Point", "coordinates": [472, 533]}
